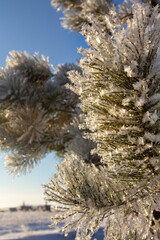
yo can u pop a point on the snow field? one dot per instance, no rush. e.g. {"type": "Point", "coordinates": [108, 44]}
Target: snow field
{"type": "Point", "coordinates": [33, 225]}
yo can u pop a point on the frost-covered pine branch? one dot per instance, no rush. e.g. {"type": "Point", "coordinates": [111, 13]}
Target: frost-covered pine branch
{"type": "Point", "coordinates": [76, 11]}
{"type": "Point", "coordinates": [86, 195]}
{"type": "Point", "coordinates": [36, 109]}
{"type": "Point", "coordinates": [119, 93]}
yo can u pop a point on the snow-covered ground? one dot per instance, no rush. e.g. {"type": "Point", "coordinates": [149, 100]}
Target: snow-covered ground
{"type": "Point", "coordinates": [33, 226]}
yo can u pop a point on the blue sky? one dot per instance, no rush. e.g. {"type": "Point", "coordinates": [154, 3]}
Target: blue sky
{"type": "Point", "coordinates": [34, 26]}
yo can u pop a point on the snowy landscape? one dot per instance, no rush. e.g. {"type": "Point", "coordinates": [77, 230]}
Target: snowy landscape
{"type": "Point", "coordinates": [33, 225]}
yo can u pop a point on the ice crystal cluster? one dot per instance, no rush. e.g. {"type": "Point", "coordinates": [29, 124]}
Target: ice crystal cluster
{"type": "Point", "coordinates": [101, 116]}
